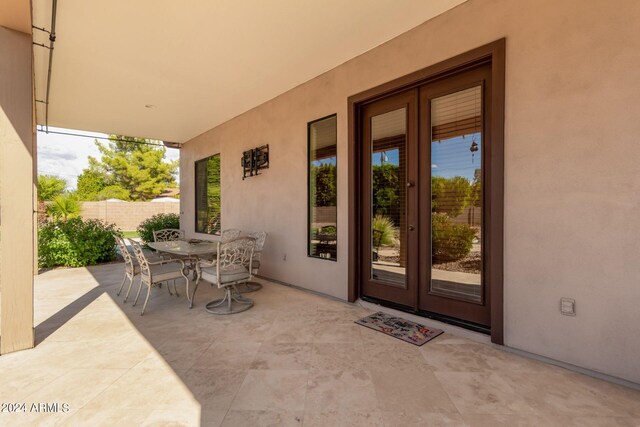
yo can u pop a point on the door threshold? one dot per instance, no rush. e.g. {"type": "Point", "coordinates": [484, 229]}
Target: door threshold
{"type": "Point", "coordinates": [457, 327]}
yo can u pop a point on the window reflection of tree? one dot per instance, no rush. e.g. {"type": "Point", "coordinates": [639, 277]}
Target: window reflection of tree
{"type": "Point", "coordinates": [208, 195]}
{"type": "Point", "coordinates": [323, 180]}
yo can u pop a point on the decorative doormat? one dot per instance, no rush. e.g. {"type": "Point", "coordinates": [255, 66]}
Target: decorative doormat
{"type": "Point", "coordinates": [405, 330]}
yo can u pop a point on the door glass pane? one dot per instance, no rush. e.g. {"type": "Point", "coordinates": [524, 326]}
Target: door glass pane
{"type": "Point", "coordinates": [388, 189]}
{"type": "Point", "coordinates": [456, 195]}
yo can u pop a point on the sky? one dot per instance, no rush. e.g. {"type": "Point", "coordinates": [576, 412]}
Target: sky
{"type": "Point", "coordinates": [450, 157]}
{"type": "Point", "coordinates": [325, 161]}
{"type": "Point", "coordinates": [389, 157]}
{"type": "Point", "coordinates": [66, 156]}
{"type": "Point", "coordinates": [453, 157]}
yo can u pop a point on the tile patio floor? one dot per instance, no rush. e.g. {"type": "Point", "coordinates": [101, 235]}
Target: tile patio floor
{"type": "Point", "coordinates": [294, 359]}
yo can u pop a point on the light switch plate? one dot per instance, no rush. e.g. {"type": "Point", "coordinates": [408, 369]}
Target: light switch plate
{"type": "Point", "coordinates": [568, 306]}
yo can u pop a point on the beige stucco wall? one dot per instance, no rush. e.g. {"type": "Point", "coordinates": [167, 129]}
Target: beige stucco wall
{"type": "Point", "coordinates": [572, 178]}
{"type": "Point", "coordinates": [17, 166]}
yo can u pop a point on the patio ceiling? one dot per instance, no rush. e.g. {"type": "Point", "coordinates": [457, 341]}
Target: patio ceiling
{"type": "Point", "coordinates": [14, 14]}
{"type": "Point", "coordinates": [172, 70]}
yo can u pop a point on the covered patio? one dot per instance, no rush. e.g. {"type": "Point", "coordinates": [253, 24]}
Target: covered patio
{"type": "Point", "coordinates": [295, 359]}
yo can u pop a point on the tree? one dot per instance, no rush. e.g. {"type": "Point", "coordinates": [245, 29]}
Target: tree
{"type": "Point", "coordinates": [475, 196]}
{"type": "Point", "coordinates": [475, 191]}
{"type": "Point", "coordinates": [387, 191]}
{"type": "Point", "coordinates": [113, 192]}
{"type": "Point", "coordinates": [50, 186]}
{"type": "Point", "coordinates": [135, 165]}
{"type": "Point", "coordinates": [324, 188]}
{"type": "Point", "coordinates": [449, 195]}
{"type": "Point", "coordinates": [64, 206]}
{"type": "Point", "coordinates": [214, 211]}
{"type": "Point", "coordinates": [90, 183]}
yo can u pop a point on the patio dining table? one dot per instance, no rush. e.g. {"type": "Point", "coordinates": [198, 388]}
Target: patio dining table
{"type": "Point", "coordinates": [195, 250]}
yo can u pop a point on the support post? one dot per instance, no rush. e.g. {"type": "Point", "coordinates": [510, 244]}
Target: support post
{"type": "Point", "coordinates": [17, 191]}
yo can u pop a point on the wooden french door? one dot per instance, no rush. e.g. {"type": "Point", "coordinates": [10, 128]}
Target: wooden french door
{"type": "Point", "coordinates": [454, 142]}
{"type": "Point", "coordinates": [425, 197]}
{"type": "Point", "coordinates": [389, 201]}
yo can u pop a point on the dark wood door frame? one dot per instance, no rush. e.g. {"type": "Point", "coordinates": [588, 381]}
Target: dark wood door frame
{"type": "Point", "coordinates": [493, 53]}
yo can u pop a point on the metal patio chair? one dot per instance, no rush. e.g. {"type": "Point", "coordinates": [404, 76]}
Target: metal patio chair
{"type": "Point", "coordinates": [377, 242]}
{"type": "Point", "coordinates": [168, 235]}
{"type": "Point", "coordinates": [131, 269]}
{"type": "Point", "coordinates": [151, 278]}
{"type": "Point", "coordinates": [229, 234]}
{"type": "Point", "coordinates": [231, 267]}
{"type": "Point", "coordinates": [247, 287]}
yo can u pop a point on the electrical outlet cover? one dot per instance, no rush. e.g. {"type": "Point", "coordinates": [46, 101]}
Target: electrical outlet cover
{"type": "Point", "coordinates": [568, 306]}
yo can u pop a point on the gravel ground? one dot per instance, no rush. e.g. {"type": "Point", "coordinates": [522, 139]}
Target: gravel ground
{"type": "Point", "coordinates": [472, 263]}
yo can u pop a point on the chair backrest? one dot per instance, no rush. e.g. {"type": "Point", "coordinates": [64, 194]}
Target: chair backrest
{"type": "Point", "coordinates": [260, 237]}
{"type": "Point", "coordinates": [233, 254]}
{"type": "Point", "coordinates": [229, 234]}
{"type": "Point", "coordinates": [377, 238]}
{"type": "Point", "coordinates": [213, 225]}
{"type": "Point", "coordinates": [167, 235]}
{"type": "Point", "coordinates": [126, 255]}
{"type": "Point", "coordinates": [145, 270]}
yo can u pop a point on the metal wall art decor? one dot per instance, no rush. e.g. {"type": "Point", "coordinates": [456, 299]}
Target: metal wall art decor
{"type": "Point", "coordinates": [254, 160]}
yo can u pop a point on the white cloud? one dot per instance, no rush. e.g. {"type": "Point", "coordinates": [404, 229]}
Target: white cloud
{"type": "Point", "coordinates": [66, 156]}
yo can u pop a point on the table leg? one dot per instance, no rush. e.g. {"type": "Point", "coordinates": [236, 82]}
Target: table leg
{"type": "Point", "coordinates": [197, 274]}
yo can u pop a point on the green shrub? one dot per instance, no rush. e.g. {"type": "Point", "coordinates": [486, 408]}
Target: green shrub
{"type": "Point", "coordinates": [76, 243]}
{"type": "Point", "coordinates": [157, 222]}
{"type": "Point", "coordinates": [384, 225]}
{"type": "Point", "coordinates": [450, 242]}
{"type": "Point", "coordinates": [328, 229]}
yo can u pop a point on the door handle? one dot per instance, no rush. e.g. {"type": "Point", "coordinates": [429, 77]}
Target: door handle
{"type": "Point", "coordinates": [411, 228]}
